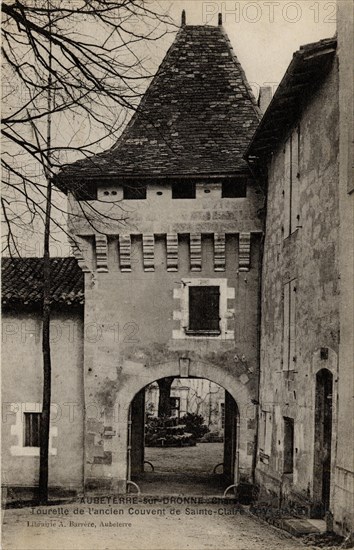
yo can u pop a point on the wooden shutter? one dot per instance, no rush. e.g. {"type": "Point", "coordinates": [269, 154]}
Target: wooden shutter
{"type": "Point", "coordinates": [204, 308]}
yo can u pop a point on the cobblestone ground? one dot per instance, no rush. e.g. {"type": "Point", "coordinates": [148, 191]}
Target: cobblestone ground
{"type": "Point", "coordinates": [140, 526]}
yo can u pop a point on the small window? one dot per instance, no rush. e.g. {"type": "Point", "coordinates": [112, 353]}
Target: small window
{"type": "Point", "coordinates": [204, 309]}
{"type": "Point", "coordinates": [134, 192]}
{"type": "Point", "coordinates": [175, 406]}
{"type": "Point", "coordinates": [234, 189]}
{"type": "Point", "coordinates": [32, 429]}
{"type": "Point", "coordinates": [183, 190]}
{"type": "Point", "coordinates": [288, 445]}
{"type": "Point", "coordinates": [86, 191]}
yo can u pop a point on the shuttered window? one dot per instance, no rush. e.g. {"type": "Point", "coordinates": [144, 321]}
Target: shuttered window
{"type": "Point", "coordinates": [204, 309]}
{"type": "Point", "coordinates": [32, 429]}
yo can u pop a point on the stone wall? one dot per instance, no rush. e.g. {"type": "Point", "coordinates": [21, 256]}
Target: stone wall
{"type": "Point", "coordinates": [160, 214]}
{"type": "Point", "coordinates": [136, 303]}
{"type": "Point", "coordinates": [344, 475]}
{"type": "Point", "coordinates": [307, 259]}
{"type": "Point", "coordinates": [22, 392]}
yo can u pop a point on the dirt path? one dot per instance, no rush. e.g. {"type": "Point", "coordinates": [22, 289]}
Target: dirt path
{"type": "Point", "coordinates": [139, 526]}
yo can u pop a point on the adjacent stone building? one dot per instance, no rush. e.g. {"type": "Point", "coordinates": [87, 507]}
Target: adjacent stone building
{"type": "Point", "coordinates": [22, 373]}
{"type": "Point", "coordinates": [195, 396]}
{"type": "Point", "coordinates": [305, 451]}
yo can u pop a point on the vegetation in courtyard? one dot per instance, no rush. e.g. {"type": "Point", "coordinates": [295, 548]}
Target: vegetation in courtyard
{"type": "Point", "coordinates": [195, 424]}
{"type": "Point", "coordinates": [174, 432]}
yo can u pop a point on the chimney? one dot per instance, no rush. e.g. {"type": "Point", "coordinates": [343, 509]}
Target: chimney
{"type": "Point", "coordinates": [183, 21]}
{"type": "Point", "coordinates": [264, 98]}
{"type": "Point", "coordinates": [220, 19]}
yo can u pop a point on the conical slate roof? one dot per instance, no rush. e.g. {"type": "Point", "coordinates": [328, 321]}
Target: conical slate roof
{"type": "Point", "coordinates": [197, 116]}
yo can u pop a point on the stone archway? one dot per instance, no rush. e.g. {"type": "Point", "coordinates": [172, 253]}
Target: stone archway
{"type": "Point", "coordinates": [325, 382]}
{"type": "Point", "coordinates": [135, 377]}
{"type": "Point", "coordinates": [229, 457]}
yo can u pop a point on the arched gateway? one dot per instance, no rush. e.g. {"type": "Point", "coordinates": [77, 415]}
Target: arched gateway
{"type": "Point", "coordinates": [237, 404]}
{"type": "Point", "coordinates": [239, 430]}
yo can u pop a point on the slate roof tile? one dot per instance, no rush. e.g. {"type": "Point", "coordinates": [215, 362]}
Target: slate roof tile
{"type": "Point", "coordinates": [199, 108]}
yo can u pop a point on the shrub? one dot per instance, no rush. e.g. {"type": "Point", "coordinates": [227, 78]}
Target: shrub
{"type": "Point", "coordinates": [194, 424]}
{"type": "Point", "coordinates": [166, 432]}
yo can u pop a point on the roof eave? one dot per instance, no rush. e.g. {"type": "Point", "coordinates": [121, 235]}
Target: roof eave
{"type": "Point", "coordinates": [274, 124]}
{"type": "Point", "coordinates": [62, 182]}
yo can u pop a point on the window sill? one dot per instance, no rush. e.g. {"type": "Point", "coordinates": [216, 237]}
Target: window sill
{"type": "Point", "coordinates": [17, 450]}
{"type": "Point", "coordinates": [202, 332]}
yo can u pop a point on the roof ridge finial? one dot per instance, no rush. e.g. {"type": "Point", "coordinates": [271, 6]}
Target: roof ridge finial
{"type": "Point", "coordinates": [219, 19]}
{"type": "Point", "coordinates": [183, 20]}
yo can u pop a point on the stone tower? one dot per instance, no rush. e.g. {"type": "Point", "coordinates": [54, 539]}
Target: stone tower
{"type": "Point", "coordinates": [167, 232]}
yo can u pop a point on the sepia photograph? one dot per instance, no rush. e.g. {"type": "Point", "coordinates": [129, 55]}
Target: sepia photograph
{"type": "Point", "coordinates": [177, 275]}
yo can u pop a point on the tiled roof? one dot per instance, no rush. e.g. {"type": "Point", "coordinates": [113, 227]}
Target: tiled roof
{"type": "Point", "coordinates": [309, 66]}
{"type": "Point", "coordinates": [197, 116]}
{"type": "Point", "coordinates": [22, 281]}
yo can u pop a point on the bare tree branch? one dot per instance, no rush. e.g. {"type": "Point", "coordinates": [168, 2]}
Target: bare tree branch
{"type": "Point", "coordinates": [97, 77]}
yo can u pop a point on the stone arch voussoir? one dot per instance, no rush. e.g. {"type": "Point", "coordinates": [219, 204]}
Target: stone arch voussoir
{"type": "Point", "coordinates": [198, 369]}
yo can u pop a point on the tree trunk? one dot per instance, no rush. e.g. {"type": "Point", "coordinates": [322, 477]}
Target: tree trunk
{"type": "Point", "coordinates": [45, 416]}
{"type": "Point", "coordinates": [164, 396]}
{"type": "Point", "coordinates": [47, 367]}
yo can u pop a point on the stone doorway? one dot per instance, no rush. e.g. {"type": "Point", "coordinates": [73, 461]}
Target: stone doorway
{"type": "Point", "coordinates": [323, 438]}
{"type": "Point", "coordinates": [163, 458]}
